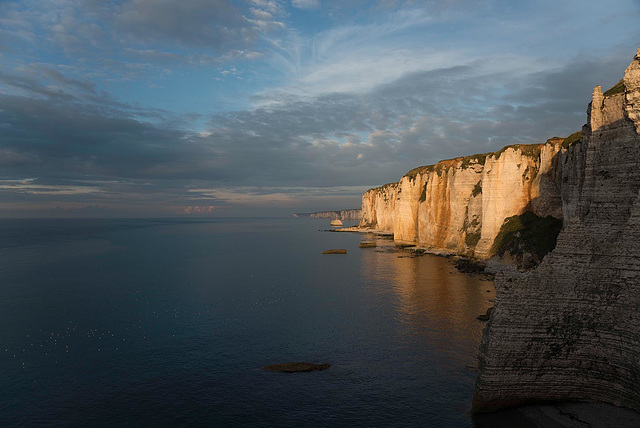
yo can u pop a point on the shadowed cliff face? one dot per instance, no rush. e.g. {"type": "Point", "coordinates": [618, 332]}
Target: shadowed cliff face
{"type": "Point", "coordinates": [459, 205]}
{"type": "Point", "coordinates": [569, 330]}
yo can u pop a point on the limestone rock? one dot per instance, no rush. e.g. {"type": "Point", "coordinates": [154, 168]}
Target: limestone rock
{"type": "Point", "coordinates": [336, 251]}
{"type": "Point", "coordinates": [570, 329]}
{"type": "Point", "coordinates": [459, 205]}
{"type": "Point", "coordinates": [352, 214]}
{"type": "Point", "coordinates": [367, 245]}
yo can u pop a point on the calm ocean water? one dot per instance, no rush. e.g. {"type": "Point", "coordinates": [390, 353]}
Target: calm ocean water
{"type": "Point", "coordinates": [167, 322]}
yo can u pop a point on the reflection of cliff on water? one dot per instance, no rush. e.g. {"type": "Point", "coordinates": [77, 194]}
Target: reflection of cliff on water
{"type": "Point", "coordinates": [434, 303]}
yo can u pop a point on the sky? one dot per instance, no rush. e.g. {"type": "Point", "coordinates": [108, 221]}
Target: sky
{"type": "Point", "coordinates": [171, 108]}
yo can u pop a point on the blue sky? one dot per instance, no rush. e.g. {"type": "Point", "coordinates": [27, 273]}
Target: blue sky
{"type": "Point", "coordinates": [266, 107]}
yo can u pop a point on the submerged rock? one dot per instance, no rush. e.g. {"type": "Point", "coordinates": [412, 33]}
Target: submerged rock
{"type": "Point", "coordinates": [470, 266]}
{"type": "Point", "coordinates": [367, 245]}
{"type": "Point", "coordinates": [336, 251]}
{"type": "Point", "coordinates": [296, 367]}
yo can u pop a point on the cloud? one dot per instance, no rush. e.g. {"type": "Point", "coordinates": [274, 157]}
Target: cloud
{"type": "Point", "coordinates": [82, 151]}
{"type": "Point", "coordinates": [199, 209]}
{"type": "Point", "coordinates": [106, 38]}
{"type": "Point", "coordinates": [216, 24]}
{"type": "Point", "coordinates": [305, 4]}
{"type": "Point", "coordinates": [354, 57]}
{"type": "Point", "coordinates": [350, 107]}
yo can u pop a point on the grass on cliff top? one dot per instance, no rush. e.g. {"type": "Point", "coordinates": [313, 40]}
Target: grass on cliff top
{"type": "Point", "coordinates": [532, 150]}
{"type": "Point", "coordinates": [572, 139]}
{"type": "Point", "coordinates": [618, 88]}
{"type": "Point", "coordinates": [479, 159]}
{"type": "Point", "coordinates": [527, 233]}
{"type": "Point", "coordinates": [384, 186]}
{"type": "Point", "coordinates": [464, 161]}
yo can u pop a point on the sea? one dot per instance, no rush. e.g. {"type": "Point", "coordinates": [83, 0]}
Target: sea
{"type": "Point", "coordinates": [168, 322]}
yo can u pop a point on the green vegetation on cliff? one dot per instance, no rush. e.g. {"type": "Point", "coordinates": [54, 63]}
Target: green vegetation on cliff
{"type": "Point", "coordinates": [477, 189]}
{"type": "Point", "coordinates": [478, 158]}
{"type": "Point", "coordinates": [527, 233]}
{"type": "Point", "coordinates": [531, 150]}
{"type": "Point", "coordinates": [572, 139]}
{"type": "Point", "coordinates": [423, 195]}
{"type": "Point", "coordinates": [464, 162]}
{"type": "Point", "coordinates": [618, 88]}
{"type": "Point", "coordinates": [422, 169]}
{"type": "Point", "coordinates": [384, 186]}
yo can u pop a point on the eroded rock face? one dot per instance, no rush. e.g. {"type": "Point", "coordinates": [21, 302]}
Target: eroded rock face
{"type": "Point", "coordinates": [377, 207]}
{"type": "Point", "coordinates": [459, 205]}
{"type": "Point", "coordinates": [570, 330]}
{"type": "Point", "coordinates": [353, 214]}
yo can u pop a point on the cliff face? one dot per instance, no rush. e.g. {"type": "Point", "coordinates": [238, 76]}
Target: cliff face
{"type": "Point", "coordinates": [353, 214]}
{"type": "Point", "coordinates": [377, 207]}
{"type": "Point", "coordinates": [570, 329]}
{"type": "Point", "coordinates": [459, 205]}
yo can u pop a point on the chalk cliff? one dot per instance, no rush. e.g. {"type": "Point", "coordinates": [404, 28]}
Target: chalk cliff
{"type": "Point", "coordinates": [352, 214]}
{"type": "Point", "coordinates": [570, 329]}
{"type": "Point", "coordinates": [459, 205]}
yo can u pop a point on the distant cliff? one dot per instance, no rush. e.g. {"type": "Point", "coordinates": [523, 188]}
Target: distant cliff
{"type": "Point", "coordinates": [570, 329]}
{"type": "Point", "coordinates": [459, 205]}
{"type": "Point", "coordinates": [352, 214]}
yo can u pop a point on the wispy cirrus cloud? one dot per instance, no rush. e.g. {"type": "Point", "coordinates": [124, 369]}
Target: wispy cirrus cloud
{"type": "Point", "coordinates": [161, 107]}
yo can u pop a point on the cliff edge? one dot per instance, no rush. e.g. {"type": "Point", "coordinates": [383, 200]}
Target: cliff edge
{"type": "Point", "coordinates": [460, 205]}
{"type": "Point", "coordinates": [570, 329]}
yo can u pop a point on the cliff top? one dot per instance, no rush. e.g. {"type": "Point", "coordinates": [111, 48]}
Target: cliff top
{"type": "Point", "coordinates": [618, 88]}
{"type": "Point", "coordinates": [480, 158]}
{"type": "Point", "coordinates": [384, 186]}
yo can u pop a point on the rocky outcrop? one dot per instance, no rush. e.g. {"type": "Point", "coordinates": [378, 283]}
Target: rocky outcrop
{"type": "Point", "coordinates": [570, 329]}
{"type": "Point", "coordinates": [459, 205]}
{"type": "Point", "coordinates": [352, 214]}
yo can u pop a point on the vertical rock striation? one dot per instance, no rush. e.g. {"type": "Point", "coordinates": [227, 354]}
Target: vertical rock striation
{"type": "Point", "coordinates": [459, 205]}
{"type": "Point", "coordinates": [352, 214]}
{"type": "Point", "coordinates": [570, 330]}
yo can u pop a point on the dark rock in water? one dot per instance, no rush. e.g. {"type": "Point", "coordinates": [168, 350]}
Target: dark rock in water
{"type": "Point", "coordinates": [338, 251]}
{"type": "Point", "coordinates": [367, 245]}
{"type": "Point", "coordinates": [486, 316]}
{"type": "Point", "coordinates": [470, 266]}
{"type": "Point", "coordinates": [296, 367]}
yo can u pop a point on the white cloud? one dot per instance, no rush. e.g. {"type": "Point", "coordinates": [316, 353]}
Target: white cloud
{"type": "Point", "coordinates": [274, 196]}
{"type": "Point", "coordinates": [354, 58]}
{"type": "Point", "coordinates": [305, 4]}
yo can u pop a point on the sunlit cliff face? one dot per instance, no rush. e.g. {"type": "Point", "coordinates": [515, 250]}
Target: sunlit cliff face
{"type": "Point", "coordinates": [267, 107]}
{"type": "Point", "coordinates": [459, 205]}
{"type": "Point", "coordinates": [568, 330]}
